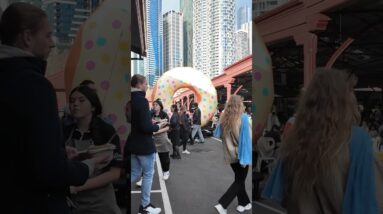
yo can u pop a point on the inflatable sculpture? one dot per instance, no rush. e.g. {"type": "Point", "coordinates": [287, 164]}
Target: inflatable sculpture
{"type": "Point", "coordinates": [186, 77]}
{"type": "Point", "coordinates": [263, 86]}
{"type": "Point", "coordinates": [101, 52]}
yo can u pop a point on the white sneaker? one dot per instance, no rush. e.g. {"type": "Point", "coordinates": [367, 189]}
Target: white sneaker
{"type": "Point", "coordinates": [242, 209]}
{"type": "Point", "coordinates": [166, 175]}
{"type": "Point", "coordinates": [150, 209]}
{"type": "Point", "coordinates": [139, 183]}
{"type": "Point", "coordinates": [220, 209]}
{"type": "Point", "coordinates": [186, 152]}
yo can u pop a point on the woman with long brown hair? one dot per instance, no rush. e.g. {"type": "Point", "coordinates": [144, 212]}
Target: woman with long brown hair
{"type": "Point", "coordinates": [327, 164]}
{"type": "Point", "coordinates": [235, 131]}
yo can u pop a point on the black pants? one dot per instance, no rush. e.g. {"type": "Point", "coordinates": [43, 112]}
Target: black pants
{"type": "Point", "coordinates": [175, 138]}
{"type": "Point", "coordinates": [237, 189]}
{"type": "Point", "coordinates": [165, 161]}
{"type": "Point", "coordinates": [184, 137]}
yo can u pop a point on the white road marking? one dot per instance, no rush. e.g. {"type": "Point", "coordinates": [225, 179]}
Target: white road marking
{"type": "Point", "coordinates": [269, 208]}
{"type": "Point", "coordinates": [164, 191]}
{"type": "Point", "coordinates": [153, 191]}
{"type": "Point", "coordinates": [216, 139]}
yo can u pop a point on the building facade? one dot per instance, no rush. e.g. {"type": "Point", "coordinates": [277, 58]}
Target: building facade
{"type": "Point", "coordinates": [248, 28]}
{"type": "Point", "coordinates": [65, 17]}
{"type": "Point", "coordinates": [186, 7]}
{"type": "Point", "coordinates": [153, 63]}
{"type": "Point", "coordinates": [173, 40]}
{"type": "Point", "coordinates": [213, 35]}
{"type": "Point", "coordinates": [137, 65]}
{"type": "Point", "coordinates": [241, 45]}
{"type": "Point", "coordinates": [243, 15]}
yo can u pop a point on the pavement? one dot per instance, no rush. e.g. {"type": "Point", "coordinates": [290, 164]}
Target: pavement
{"type": "Point", "coordinates": [196, 183]}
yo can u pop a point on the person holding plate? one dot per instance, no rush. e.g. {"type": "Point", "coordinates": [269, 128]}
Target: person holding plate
{"type": "Point", "coordinates": [161, 139]}
{"type": "Point", "coordinates": [91, 136]}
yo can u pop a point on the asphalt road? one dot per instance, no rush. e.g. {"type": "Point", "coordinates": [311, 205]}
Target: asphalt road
{"type": "Point", "coordinates": [196, 183]}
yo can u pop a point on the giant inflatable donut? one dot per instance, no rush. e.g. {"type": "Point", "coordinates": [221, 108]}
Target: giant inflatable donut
{"type": "Point", "coordinates": [101, 52]}
{"type": "Point", "coordinates": [263, 86]}
{"type": "Point", "coordinates": [186, 77]}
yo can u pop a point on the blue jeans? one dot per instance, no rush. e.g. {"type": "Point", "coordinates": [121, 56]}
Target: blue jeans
{"type": "Point", "coordinates": [197, 128]}
{"type": "Point", "coordinates": [143, 164]}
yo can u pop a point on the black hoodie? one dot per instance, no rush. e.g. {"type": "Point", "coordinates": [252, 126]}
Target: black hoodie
{"type": "Point", "coordinates": [36, 172]}
{"type": "Point", "coordinates": [140, 139]}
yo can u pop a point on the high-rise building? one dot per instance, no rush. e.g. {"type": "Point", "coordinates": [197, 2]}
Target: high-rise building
{"type": "Point", "coordinates": [262, 6]}
{"type": "Point", "coordinates": [187, 12]}
{"type": "Point", "coordinates": [137, 65]}
{"type": "Point", "coordinates": [173, 40]}
{"type": "Point", "coordinates": [153, 63]}
{"type": "Point", "coordinates": [65, 17]}
{"type": "Point", "coordinates": [248, 28]}
{"type": "Point", "coordinates": [243, 16]}
{"type": "Point", "coordinates": [241, 45]}
{"type": "Point", "coordinates": [213, 35]}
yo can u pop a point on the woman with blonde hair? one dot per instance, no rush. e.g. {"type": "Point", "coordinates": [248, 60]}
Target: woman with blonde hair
{"type": "Point", "coordinates": [326, 163]}
{"type": "Point", "coordinates": [235, 131]}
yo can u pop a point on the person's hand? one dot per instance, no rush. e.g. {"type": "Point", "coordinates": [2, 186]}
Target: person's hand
{"type": "Point", "coordinates": [162, 124]}
{"type": "Point", "coordinates": [71, 152]}
{"type": "Point", "coordinates": [101, 160]}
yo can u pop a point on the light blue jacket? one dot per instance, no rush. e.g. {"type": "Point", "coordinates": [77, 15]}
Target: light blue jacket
{"type": "Point", "coordinates": [244, 146]}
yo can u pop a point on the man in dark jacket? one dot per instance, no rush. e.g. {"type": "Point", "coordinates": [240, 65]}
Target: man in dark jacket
{"type": "Point", "coordinates": [140, 145]}
{"type": "Point", "coordinates": [36, 172]}
{"type": "Point", "coordinates": [197, 124]}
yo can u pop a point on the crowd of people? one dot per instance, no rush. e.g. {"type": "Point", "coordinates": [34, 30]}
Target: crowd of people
{"type": "Point", "coordinates": [157, 131]}
{"type": "Point", "coordinates": [327, 160]}
{"type": "Point", "coordinates": [63, 176]}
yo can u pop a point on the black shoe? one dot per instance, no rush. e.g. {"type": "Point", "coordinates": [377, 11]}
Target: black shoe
{"type": "Point", "coordinates": [150, 209]}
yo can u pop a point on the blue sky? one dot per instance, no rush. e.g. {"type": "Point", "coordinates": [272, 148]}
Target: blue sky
{"type": "Point", "coordinates": [168, 5]}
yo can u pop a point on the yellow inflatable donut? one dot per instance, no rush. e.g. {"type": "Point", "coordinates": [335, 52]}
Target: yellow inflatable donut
{"type": "Point", "coordinates": [263, 86]}
{"type": "Point", "coordinates": [101, 52]}
{"type": "Point", "coordinates": [186, 77]}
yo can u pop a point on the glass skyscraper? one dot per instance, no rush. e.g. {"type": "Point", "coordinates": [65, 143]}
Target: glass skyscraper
{"type": "Point", "coordinates": [154, 59]}
{"type": "Point", "coordinates": [65, 17]}
{"type": "Point", "coordinates": [187, 12]}
{"type": "Point", "coordinates": [243, 14]}
{"type": "Point", "coordinates": [173, 44]}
